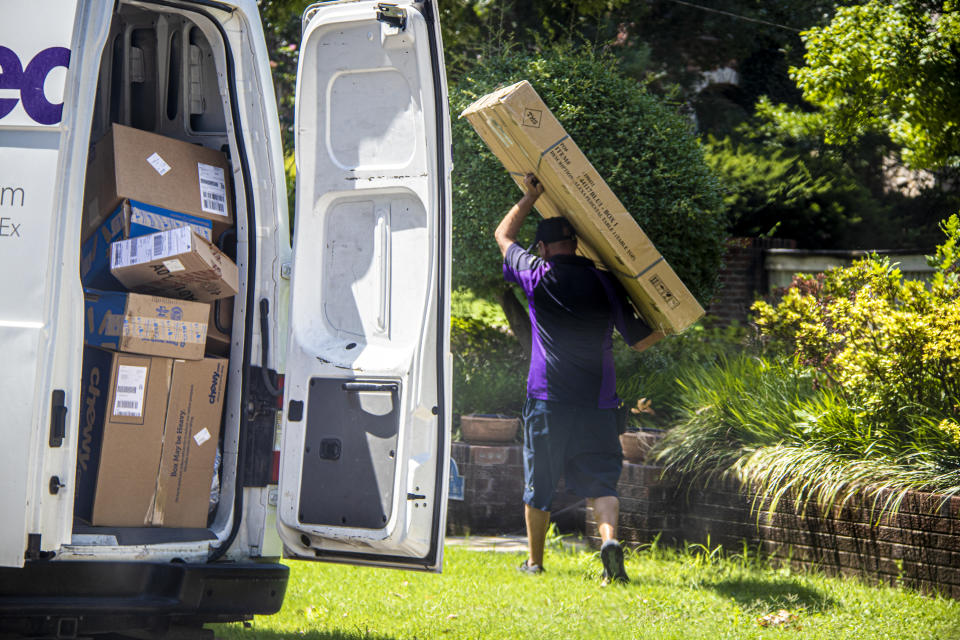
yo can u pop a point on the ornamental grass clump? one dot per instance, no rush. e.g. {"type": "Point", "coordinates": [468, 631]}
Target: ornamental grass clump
{"type": "Point", "coordinates": [859, 390]}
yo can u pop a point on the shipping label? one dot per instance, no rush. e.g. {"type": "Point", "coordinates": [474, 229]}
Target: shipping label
{"type": "Point", "coordinates": [129, 392]}
{"type": "Point", "coordinates": [158, 163]}
{"type": "Point", "coordinates": [213, 189]}
{"type": "Point", "coordinates": [156, 246]}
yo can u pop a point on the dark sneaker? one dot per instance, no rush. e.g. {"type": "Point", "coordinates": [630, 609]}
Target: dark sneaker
{"type": "Point", "coordinates": [530, 569]}
{"type": "Point", "coordinates": [611, 555]}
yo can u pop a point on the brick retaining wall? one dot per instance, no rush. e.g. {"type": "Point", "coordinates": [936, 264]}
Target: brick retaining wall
{"type": "Point", "coordinates": [919, 545]}
{"type": "Point", "coordinates": [493, 493]}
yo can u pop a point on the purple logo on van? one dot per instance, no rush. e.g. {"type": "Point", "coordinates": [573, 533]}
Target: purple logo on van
{"type": "Point", "coordinates": [30, 82]}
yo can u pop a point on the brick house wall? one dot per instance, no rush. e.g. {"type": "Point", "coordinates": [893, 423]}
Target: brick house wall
{"type": "Point", "coordinates": [743, 277]}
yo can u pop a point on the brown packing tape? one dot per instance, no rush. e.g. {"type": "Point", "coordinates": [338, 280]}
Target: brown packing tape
{"type": "Point", "coordinates": [157, 328]}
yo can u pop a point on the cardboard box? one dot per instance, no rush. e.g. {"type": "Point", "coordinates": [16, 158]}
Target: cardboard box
{"type": "Point", "coordinates": [219, 338]}
{"type": "Point", "coordinates": [131, 219]}
{"type": "Point", "coordinates": [520, 130]}
{"type": "Point", "coordinates": [190, 440]}
{"type": "Point", "coordinates": [148, 325]}
{"type": "Point", "coordinates": [176, 263]}
{"type": "Point", "coordinates": [121, 437]}
{"type": "Point", "coordinates": [161, 171]}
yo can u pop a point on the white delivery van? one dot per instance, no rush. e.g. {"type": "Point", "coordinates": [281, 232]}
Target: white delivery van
{"type": "Point", "coordinates": [335, 433]}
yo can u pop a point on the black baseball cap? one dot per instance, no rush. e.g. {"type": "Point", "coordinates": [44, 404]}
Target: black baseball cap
{"type": "Point", "coordinates": [553, 230]}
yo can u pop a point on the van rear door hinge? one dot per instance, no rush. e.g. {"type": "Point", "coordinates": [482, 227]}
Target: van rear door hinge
{"type": "Point", "coordinates": [33, 551]}
{"type": "Point", "coordinates": [392, 15]}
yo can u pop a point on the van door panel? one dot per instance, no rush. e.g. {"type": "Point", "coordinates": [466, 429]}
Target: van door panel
{"type": "Point", "coordinates": [363, 463]}
{"type": "Point", "coordinates": [45, 110]}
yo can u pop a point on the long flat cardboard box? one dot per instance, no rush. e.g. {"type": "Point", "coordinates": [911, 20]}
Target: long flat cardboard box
{"type": "Point", "coordinates": [519, 128]}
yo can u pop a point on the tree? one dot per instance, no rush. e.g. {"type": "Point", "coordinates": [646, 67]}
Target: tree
{"type": "Point", "coordinates": [813, 198]}
{"type": "Point", "coordinates": [645, 151]}
{"type": "Point", "coordinates": [889, 67]}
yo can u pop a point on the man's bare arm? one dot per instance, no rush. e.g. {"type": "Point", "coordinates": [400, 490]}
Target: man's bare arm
{"type": "Point", "coordinates": [649, 341]}
{"type": "Point", "coordinates": [509, 227]}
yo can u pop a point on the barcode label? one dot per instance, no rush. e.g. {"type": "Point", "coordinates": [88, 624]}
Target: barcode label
{"type": "Point", "coordinates": [214, 207]}
{"type": "Point", "coordinates": [213, 189]}
{"type": "Point", "coordinates": [158, 163]}
{"type": "Point", "coordinates": [156, 246]}
{"type": "Point", "coordinates": [129, 391]}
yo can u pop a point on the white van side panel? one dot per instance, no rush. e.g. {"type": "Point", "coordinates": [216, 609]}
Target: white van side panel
{"type": "Point", "coordinates": [46, 97]}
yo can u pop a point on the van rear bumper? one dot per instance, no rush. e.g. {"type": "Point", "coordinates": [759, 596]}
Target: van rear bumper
{"type": "Point", "coordinates": [113, 597]}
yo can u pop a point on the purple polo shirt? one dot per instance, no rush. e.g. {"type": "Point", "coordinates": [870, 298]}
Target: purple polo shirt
{"type": "Point", "coordinates": [574, 308]}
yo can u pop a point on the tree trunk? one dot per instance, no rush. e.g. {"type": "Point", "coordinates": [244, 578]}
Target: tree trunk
{"type": "Point", "coordinates": [517, 318]}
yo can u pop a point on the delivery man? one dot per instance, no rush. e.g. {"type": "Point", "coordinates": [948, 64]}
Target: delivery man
{"type": "Point", "coordinates": [570, 415]}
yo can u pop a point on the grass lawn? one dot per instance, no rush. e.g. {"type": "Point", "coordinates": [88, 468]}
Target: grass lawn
{"type": "Point", "coordinates": [674, 594]}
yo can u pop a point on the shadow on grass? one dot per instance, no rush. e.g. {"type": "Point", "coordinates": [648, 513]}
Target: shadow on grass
{"type": "Point", "coordinates": [772, 593]}
{"type": "Point", "coordinates": [320, 634]}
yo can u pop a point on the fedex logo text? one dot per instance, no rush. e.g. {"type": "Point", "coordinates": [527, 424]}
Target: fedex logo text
{"type": "Point", "coordinates": [29, 81]}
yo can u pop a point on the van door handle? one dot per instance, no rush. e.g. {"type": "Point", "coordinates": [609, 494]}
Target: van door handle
{"type": "Point", "coordinates": [58, 418]}
{"type": "Point", "coordinates": [357, 387]}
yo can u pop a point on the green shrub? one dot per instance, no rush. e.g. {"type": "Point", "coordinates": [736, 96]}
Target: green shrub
{"type": "Point", "coordinates": [890, 346]}
{"type": "Point", "coordinates": [654, 374]}
{"type": "Point", "coordinates": [489, 369]}
{"type": "Point", "coordinates": [863, 395]}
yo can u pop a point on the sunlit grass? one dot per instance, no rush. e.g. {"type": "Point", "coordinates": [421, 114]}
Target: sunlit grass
{"type": "Point", "coordinates": [694, 593]}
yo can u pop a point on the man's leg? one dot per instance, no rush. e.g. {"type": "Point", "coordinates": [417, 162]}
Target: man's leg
{"type": "Point", "coordinates": [606, 512]}
{"type": "Point", "coordinates": [596, 471]}
{"type": "Point", "coordinates": [537, 523]}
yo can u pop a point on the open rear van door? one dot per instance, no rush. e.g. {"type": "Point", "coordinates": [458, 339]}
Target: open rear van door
{"type": "Point", "coordinates": [366, 421]}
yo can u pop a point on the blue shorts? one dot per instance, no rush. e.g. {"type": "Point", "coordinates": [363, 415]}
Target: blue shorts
{"type": "Point", "coordinates": [579, 444]}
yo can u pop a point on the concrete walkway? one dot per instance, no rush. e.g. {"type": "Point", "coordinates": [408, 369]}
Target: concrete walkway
{"type": "Point", "coordinates": [505, 543]}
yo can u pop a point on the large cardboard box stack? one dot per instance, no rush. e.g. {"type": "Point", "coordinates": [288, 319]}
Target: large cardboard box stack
{"type": "Point", "coordinates": [153, 210]}
{"type": "Point", "coordinates": [154, 400]}
{"type": "Point", "coordinates": [148, 439]}
{"type": "Point", "coordinates": [522, 132]}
